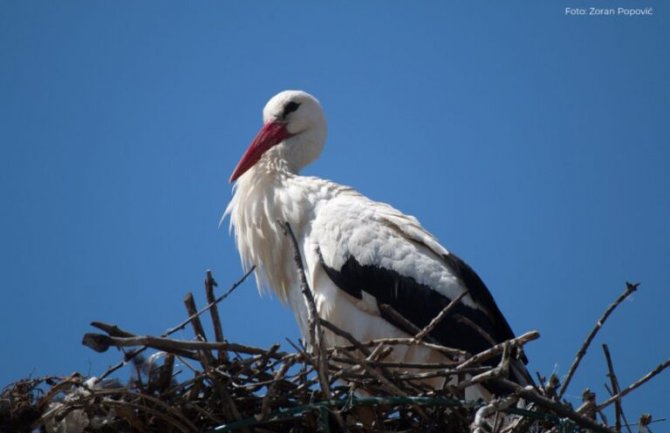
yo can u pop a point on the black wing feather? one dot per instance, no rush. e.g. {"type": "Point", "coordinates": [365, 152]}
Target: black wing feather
{"type": "Point", "coordinates": [419, 303]}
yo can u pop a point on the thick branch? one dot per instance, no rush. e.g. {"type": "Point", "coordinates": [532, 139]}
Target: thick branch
{"type": "Point", "coordinates": [529, 394]}
{"type": "Point", "coordinates": [179, 346]}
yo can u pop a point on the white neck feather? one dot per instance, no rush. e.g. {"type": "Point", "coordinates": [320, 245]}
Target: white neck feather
{"type": "Point", "coordinates": [269, 192]}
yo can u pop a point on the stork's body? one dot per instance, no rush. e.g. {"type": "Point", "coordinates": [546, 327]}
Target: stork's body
{"type": "Point", "coordinates": [358, 254]}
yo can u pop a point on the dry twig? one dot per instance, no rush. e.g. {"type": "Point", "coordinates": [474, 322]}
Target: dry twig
{"type": "Point", "coordinates": [630, 288]}
{"type": "Point", "coordinates": [441, 316]}
{"type": "Point", "coordinates": [206, 356]}
{"type": "Point", "coordinates": [494, 351]}
{"type": "Point", "coordinates": [315, 330]}
{"type": "Point", "coordinates": [531, 395]}
{"type": "Point", "coordinates": [618, 409]}
{"type": "Point", "coordinates": [647, 377]}
{"type": "Point", "coordinates": [210, 284]}
{"type": "Point", "coordinates": [248, 389]}
{"type": "Point", "coordinates": [171, 331]}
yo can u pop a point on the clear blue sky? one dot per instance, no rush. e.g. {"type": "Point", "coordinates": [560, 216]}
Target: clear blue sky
{"type": "Point", "coordinates": [535, 145]}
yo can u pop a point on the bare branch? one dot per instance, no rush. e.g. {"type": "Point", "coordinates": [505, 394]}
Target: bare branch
{"type": "Point", "coordinates": [168, 344]}
{"type": "Point", "coordinates": [171, 331]}
{"type": "Point", "coordinates": [499, 348]}
{"type": "Point", "coordinates": [198, 330]}
{"type": "Point", "coordinates": [210, 284]}
{"type": "Point", "coordinates": [531, 395]}
{"type": "Point", "coordinates": [659, 368]}
{"type": "Point", "coordinates": [618, 409]}
{"type": "Point", "coordinates": [630, 288]}
{"type": "Point", "coordinates": [316, 332]}
{"type": "Point", "coordinates": [441, 315]}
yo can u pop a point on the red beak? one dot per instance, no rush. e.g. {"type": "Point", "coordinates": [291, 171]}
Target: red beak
{"type": "Point", "coordinates": [270, 134]}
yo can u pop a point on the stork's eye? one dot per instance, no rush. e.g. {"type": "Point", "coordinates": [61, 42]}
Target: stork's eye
{"type": "Point", "coordinates": [290, 108]}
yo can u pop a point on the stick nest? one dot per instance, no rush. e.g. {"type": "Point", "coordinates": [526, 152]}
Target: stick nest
{"type": "Point", "coordinates": [203, 385]}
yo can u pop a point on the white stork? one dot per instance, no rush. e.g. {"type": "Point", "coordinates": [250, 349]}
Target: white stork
{"type": "Point", "coordinates": [357, 253]}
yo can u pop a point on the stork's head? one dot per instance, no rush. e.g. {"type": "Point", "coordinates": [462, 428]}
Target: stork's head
{"type": "Point", "coordinates": [293, 132]}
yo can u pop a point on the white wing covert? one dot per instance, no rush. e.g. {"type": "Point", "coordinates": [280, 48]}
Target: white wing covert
{"type": "Point", "coordinates": [377, 255]}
